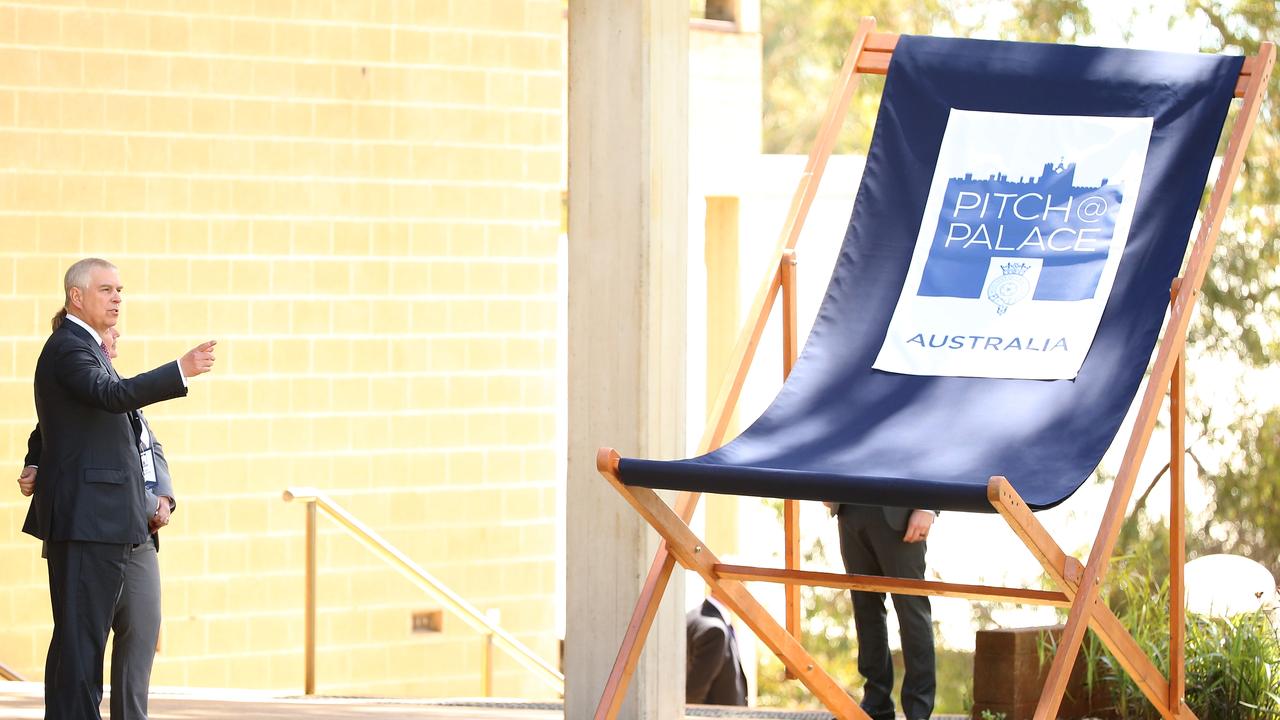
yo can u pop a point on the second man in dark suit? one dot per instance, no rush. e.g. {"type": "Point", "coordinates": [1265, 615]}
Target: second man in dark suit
{"type": "Point", "coordinates": [713, 669]}
{"type": "Point", "coordinates": [890, 542]}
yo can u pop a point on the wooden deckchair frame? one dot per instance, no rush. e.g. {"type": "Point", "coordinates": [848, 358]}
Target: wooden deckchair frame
{"type": "Point", "coordinates": [1078, 584]}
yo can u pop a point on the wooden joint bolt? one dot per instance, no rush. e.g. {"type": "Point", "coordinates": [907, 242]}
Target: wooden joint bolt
{"type": "Point", "coordinates": [1074, 571]}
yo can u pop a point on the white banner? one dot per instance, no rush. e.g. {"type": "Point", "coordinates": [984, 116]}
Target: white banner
{"type": "Point", "coordinates": [1026, 220]}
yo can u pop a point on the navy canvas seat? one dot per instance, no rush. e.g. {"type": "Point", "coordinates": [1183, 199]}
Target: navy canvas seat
{"type": "Point", "coordinates": [842, 430]}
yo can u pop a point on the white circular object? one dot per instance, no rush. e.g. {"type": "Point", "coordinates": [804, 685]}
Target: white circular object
{"type": "Point", "coordinates": [1226, 585]}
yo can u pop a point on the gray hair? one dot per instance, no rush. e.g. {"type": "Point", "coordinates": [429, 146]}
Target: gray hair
{"type": "Point", "coordinates": [78, 275]}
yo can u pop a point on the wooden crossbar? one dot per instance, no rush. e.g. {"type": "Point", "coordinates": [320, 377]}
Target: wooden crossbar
{"type": "Point", "coordinates": [897, 586]}
{"type": "Point", "coordinates": [878, 52]}
{"type": "Point", "coordinates": [1078, 584]}
{"type": "Point", "coordinates": [875, 56]}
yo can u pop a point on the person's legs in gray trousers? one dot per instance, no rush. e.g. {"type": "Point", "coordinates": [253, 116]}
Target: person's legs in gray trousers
{"type": "Point", "coordinates": [137, 627]}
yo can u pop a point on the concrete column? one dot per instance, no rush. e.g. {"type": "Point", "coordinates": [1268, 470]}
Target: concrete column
{"type": "Point", "coordinates": [628, 208]}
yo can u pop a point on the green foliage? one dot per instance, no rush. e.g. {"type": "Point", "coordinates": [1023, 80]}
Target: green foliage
{"type": "Point", "coordinates": [1232, 664]}
{"type": "Point", "coordinates": [1246, 495]}
{"type": "Point", "coordinates": [1240, 292]}
{"type": "Point", "coordinates": [1059, 21]}
{"type": "Point", "coordinates": [805, 42]}
{"type": "Point", "coordinates": [1236, 662]}
{"type": "Point", "coordinates": [1241, 305]}
{"type": "Point", "coordinates": [989, 715]}
{"type": "Point", "coordinates": [804, 46]}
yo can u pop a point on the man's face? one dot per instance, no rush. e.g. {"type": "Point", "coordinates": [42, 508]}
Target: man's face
{"type": "Point", "coordinates": [112, 339]}
{"type": "Point", "coordinates": [99, 304]}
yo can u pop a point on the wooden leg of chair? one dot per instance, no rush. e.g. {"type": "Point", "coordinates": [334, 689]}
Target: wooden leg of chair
{"type": "Point", "coordinates": [791, 561]}
{"type": "Point", "coordinates": [790, 508]}
{"type": "Point", "coordinates": [615, 689]}
{"type": "Point", "coordinates": [655, 585]}
{"type": "Point", "coordinates": [693, 554]}
{"type": "Point", "coordinates": [1066, 571]}
{"type": "Point", "coordinates": [1177, 537]}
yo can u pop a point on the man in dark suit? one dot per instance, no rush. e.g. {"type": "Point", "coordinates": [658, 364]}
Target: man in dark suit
{"type": "Point", "coordinates": [90, 504]}
{"type": "Point", "coordinates": [713, 670]}
{"type": "Point", "coordinates": [136, 620]}
{"type": "Point", "coordinates": [890, 542]}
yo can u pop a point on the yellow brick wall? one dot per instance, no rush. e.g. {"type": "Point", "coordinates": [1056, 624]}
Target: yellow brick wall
{"type": "Point", "coordinates": [361, 202]}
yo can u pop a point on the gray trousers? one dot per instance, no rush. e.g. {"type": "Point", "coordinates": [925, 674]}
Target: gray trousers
{"type": "Point", "coordinates": [870, 546]}
{"type": "Point", "coordinates": [136, 625]}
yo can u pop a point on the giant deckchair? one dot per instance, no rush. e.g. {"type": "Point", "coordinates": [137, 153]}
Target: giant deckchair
{"type": "Point", "coordinates": [1016, 252]}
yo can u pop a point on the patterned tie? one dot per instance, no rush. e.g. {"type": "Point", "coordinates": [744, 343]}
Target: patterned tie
{"type": "Point", "coordinates": [134, 420]}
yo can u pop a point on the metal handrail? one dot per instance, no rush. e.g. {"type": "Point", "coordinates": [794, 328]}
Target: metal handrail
{"type": "Point", "coordinates": [494, 635]}
{"type": "Point", "coordinates": [10, 674]}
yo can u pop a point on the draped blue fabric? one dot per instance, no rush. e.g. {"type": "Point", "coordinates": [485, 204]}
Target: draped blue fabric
{"type": "Point", "coordinates": [841, 431]}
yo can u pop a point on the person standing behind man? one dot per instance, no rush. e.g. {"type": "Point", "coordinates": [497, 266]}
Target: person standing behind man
{"type": "Point", "coordinates": [136, 620]}
{"type": "Point", "coordinates": [90, 504]}
{"type": "Point", "coordinates": [713, 668]}
{"type": "Point", "coordinates": [890, 542]}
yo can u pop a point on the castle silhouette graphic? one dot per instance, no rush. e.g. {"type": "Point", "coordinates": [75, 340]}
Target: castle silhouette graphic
{"type": "Point", "coordinates": [1067, 227]}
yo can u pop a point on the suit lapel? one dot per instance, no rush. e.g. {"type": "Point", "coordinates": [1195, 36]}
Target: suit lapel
{"type": "Point", "coordinates": [95, 348]}
{"type": "Point", "coordinates": [105, 363]}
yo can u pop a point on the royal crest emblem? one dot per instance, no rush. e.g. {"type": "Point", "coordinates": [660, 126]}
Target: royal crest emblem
{"type": "Point", "coordinates": [1009, 287]}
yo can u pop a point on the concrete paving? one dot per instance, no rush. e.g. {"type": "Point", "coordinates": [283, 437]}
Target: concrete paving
{"type": "Point", "coordinates": [25, 701]}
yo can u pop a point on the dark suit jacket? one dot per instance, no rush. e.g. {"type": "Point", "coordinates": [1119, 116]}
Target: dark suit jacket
{"type": "Point", "coordinates": [164, 481]}
{"type": "Point", "coordinates": [713, 670]}
{"type": "Point", "coordinates": [89, 486]}
{"type": "Point", "coordinates": [897, 517]}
